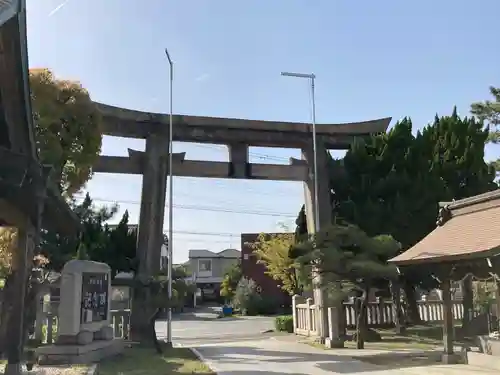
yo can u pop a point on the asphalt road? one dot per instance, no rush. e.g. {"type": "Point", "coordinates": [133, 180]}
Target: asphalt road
{"type": "Point", "coordinates": [203, 327]}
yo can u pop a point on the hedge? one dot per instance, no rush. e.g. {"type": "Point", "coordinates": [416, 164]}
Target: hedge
{"type": "Point", "coordinates": [284, 323]}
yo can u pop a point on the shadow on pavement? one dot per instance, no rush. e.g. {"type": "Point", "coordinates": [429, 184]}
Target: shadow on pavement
{"type": "Point", "coordinates": [197, 318]}
{"type": "Point", "coordinates": [342, 364]}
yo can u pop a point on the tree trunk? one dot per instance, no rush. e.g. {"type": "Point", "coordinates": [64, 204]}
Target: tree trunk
{"type": "Point", "coordinates": [152, 329]}
{"type": "Point", "coordinates": [361, 320]}
{"type": "Point", "coordinates": [412, 312]}
{"type": "Point", "coordinates": [142, 310]}
{"type": "Point", "coordinates": [397, 311]}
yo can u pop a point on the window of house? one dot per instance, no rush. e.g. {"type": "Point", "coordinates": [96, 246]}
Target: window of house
{"type": "Point", "coordinates": [204, 265]}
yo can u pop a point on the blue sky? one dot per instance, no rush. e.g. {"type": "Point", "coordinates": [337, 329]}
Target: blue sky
{"type": "Point", "coordinates": [372, 59]}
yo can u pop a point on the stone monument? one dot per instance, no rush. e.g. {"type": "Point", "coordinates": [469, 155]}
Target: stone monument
{"type": "Point", "coordinates": [84, 325]}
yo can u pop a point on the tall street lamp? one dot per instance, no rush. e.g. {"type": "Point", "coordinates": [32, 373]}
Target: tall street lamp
{"type": "Point", "coordinates": [311, 77]}
{"type": "Point", "coordinates": [170, 201]}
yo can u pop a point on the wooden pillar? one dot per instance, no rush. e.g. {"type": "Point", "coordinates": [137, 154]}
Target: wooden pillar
{"type": "Point", "coordinates": [39, 320]}
{"type": "Point", "coordinates": [449, 356]}
{"type": "Point", "coordinates": [16, 321]}
{"type": "Point", "coordinates": [467, 302]}
{"type": "Point", "coordinates": [497, 300]}
{"type": "Point", "coordinates": [396, 306]}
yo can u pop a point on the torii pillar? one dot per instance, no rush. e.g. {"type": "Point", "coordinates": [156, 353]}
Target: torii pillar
{"type": "Point", "coordinates": [331, 333]}
{"type": "Point", "coordinates": [154, 162]}
{"type": "Point", "coordinates": [154, 182]}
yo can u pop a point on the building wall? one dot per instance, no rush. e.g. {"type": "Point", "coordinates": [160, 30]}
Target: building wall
{"type": "Point", "coordinates": [257, 272]}
{"type": "Point", "coordinates": [209, 281]}
{"type": "Point", "coordinates": [219, 266]}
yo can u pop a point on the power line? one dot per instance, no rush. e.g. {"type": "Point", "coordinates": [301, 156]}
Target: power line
{"type": "Point", "coordinates": [225, 184]}
{"type": "Point", "coordinates": [220, 234]}
{"type": "Point", "coordinates": [251, 153]}
{"type": "Point", "coordinates": [203, 208]}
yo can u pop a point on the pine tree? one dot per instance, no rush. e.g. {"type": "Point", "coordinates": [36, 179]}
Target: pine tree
{"type": "Point", "coordinates": [346, 253]}
{"type": "Point", "coordinates": [489, 112]}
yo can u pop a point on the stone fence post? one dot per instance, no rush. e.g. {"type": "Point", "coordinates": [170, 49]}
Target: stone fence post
{"type": "Point", "coordinates": [310, 312]}
{"type": "Point", "coordinates": [296, 299]}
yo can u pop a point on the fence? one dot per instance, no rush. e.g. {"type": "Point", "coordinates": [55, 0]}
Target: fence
{"type": "Point", "coordinates": [46, 326]}
{"type": "Point", "coordinates": [379, 314]}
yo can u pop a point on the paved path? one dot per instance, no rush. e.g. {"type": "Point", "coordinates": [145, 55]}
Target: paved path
{"type": "Point", "coordinates": [273, 357]}
{"type": "Point", "coordinates": [203, 327]}
{"type": "Point", "coordinates": [236, 346]}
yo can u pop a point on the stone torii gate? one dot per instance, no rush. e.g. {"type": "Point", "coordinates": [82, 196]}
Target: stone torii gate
{"type": "Point", "coordinates": [238, 135]}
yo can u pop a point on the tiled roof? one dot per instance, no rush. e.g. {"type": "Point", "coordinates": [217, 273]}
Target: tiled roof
{"type": "Point", "coordinates": [469, 230]}
{"type": "Point", "coordinates": [202, 253]}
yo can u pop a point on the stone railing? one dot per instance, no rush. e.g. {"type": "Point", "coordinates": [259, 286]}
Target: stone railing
{"type": "Point", "coordinates": [379, 314]}
{"type": "Point", "coordinates": [46, 327]}
{"type": "Point", "coordinates": [305, 318]}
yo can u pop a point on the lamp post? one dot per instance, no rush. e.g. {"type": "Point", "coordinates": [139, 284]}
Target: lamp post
{"type": "Point", "coordinates": [170, 201]}
{"type": "Point", "coordinates": [311, 77]}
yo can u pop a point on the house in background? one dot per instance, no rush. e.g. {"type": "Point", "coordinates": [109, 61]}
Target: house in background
{"type": "Point", "coordinates": [208, 269]}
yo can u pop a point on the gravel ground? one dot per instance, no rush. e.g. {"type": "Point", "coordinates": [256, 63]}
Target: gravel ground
{"type": "Point", "coordinates": [53, 370]}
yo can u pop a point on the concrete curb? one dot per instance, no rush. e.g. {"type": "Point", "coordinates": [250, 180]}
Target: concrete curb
{"type": "Point", "coordinates": [210, 365]}
{"type": "Point", "coordinates": [93, 369]}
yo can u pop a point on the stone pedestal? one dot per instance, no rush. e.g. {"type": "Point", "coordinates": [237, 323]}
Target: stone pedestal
{"type": "Point", "coordinates": [335, 337]}
{"type": "Point", "coordinates": [451, 359]}
{"type": "Point", "coordinates": [73, 316]}
{"type": "Point", "coordinates": [79, 354]}
{"type": "Point", "coordinates": [84, 332]}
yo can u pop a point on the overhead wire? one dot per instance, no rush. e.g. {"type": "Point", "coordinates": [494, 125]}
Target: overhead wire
{"type": "Point", "coordinates": [215, 209]}
{"type": "Point", "coordinates": [250, 153]}
{"type": "Point", "coordinates": [200, 208]}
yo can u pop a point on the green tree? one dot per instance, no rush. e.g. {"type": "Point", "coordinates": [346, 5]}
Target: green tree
{"type": "Point", "coordinates": [392, 183]}
{"type": "Point", "coordinates": [386, 185]}
{"type": "Point", "coordinates": [347, 253]}
{"type": "Point", "coordinates": [120, 249]}
{"type": "Point", "coordinates": [273, 251]}
{"type": "Point", "coordinates": [68, 131]}
{"type": "Point", "coordinates": [301, 225]}
{"type": "Point", "coordinates": [246, 297]}
{"type": "Point", "coordinates": [114, 246]}
{"type": "Point", "coordinates": [489, 112]}
{"type": "Point", "coordinates": [230, 281]}
{"type": "Point", "coordinates": [455, 147]}
{"type": "Point", "coordinates": [180, 272]}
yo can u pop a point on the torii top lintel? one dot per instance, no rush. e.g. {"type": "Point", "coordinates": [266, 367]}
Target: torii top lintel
{"type": "Point", "coordinates": [128, 123]}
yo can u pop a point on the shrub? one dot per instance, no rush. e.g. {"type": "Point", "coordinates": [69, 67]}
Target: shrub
{"type": "Point", "coordinates": [268, 306]}
{"type": "Point", "coordinates": [246, 297]}
{"type": "Point", "coordinates": [284, 323]}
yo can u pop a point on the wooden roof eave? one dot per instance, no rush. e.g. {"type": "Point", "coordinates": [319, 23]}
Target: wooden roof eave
{"type": "Point", "coordinates": [459, 258]}
{"type": "Point", "coordinates": [57, 213]}
{"type": "Point", "coordinates": [23, 180]}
